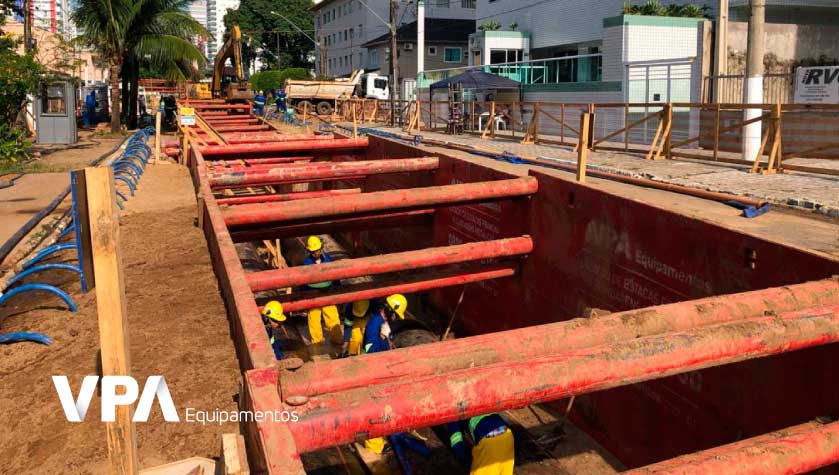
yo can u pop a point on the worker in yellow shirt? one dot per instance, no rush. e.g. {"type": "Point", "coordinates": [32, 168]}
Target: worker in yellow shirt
{"type": "Point", "coordinates": [322, 316]}
{"type": "Point", "coordinates": [493, 450]}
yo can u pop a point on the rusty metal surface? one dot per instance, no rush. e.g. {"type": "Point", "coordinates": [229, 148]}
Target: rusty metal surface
{"type": "Point", "coordinates": [300, 195]}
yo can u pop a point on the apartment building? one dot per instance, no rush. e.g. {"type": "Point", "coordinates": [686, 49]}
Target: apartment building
{"type": "Point", "coordinates": [343, 27]}
{"type": "Point", "coordinates": [197, 9]}
{"type": "Point", "coordinates": [50, 15]}
{"type": "Point", "coordinates": [216, 9]}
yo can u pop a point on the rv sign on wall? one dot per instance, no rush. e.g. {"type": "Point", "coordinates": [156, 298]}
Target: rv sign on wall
{"type": "Point", "coordinates": [817, 85]}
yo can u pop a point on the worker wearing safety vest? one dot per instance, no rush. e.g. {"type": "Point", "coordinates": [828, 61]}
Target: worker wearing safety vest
{"type": "Point", "coordinates": [329, 314]}
{"type": "Point", "coordinates": [493, 452]}
{"type": "Point", "coordinates": [377, 337]}
{"type": "Point", "coordinates": [272, 317]}
{"type": "Point", "coordinates": [259, 103]}
{"type": "Point", "coordinates": [355, 320]}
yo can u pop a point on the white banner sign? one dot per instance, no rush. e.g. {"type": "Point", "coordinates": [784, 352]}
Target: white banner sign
{"type": "Point", "coordinates": [817, 85]}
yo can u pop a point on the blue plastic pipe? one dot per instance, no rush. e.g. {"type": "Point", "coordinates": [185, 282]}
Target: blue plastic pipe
{"type": "Point", "coordinates": [41, 268]}
{"type": "Point", "coordinates": [18, 337]}
{"type": "Point", "coordinates": [62, 246]}
{"type": "Point", "coordinates": [37, 286]}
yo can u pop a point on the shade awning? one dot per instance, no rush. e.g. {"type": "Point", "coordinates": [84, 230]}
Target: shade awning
{"type": "Point", "coordinates": [477, 79]}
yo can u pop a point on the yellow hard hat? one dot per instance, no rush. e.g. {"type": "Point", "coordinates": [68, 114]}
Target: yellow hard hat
{"type": "Point", "coordinates": [274, 311]}
{"type": "Point", "coordinates": [314, 244]}
{"type": "Point", "coordinates": [398, 303]}
{"type": "Point", "coordinates": [360, 307]}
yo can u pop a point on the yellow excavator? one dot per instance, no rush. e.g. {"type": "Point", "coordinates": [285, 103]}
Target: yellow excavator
{"type": "Point", "coordinates": [239, 89]}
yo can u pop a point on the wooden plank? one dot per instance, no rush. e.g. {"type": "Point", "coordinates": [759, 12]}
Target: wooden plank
{"type": "Point", "coordinates": [582, 149]}
{"type": "Point", "coordinates": [234, 458]}
{"type": "Point", "coordinates": [157, 136]}
{"type": "Point", "coordinates": [83, 224]}
{"type": "Point", "coordinates": [112, 312]}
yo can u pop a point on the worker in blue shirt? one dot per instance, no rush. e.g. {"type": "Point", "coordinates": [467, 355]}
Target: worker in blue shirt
{"type": "Point", "coordinates": [322, 316]}
{"type": "Point", "coordinates": [355, 321]}
{"type": "Point", "coordinates": [493, 449]}
{"type": "Point", "coordinates": [89, 112]}
{"type": "Point", "coordinates": [259, 103]}
{"type": "Point", "coordinates": [377, 337]}
{"type": "Point", "coordinates": [281, 101]}
{"type": "Point", "coordinates": [272, 317]}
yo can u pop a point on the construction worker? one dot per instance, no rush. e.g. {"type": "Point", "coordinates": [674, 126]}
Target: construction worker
{"type": "Point", "coordinates": [329, 314]}
{"type": "Point", "coordinates": [281, 101]}
{"type": "Point", "coordinates": [272, 317]}
{"type": "Point", "coordinates": [377, 337]}
{"type": "Point", "coordinates": [493, 450]}
{"type": "Point", "coordinates": [89, 111]}
{"type": "Point", "coordinates": [259, 103]}
{"type": "Point", "coordinates": [355, 320]}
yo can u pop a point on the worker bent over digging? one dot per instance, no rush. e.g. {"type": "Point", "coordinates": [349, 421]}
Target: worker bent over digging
{"type": "Point", "coordinates": [378, 337]}
{"type": "Point", "coordinates": [355, 320]}
{"type": "Point", "coordinates": [272, 317]}
{"type": "Point", "coordinates": [493, 450]}
{"type": "Point", "coordinates": [328, 314]}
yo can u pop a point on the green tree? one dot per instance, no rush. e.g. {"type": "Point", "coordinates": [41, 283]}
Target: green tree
{"type": "Point", "coordinates": [272, 38]}
{"type": "Point", "coordinates": [129, 33]}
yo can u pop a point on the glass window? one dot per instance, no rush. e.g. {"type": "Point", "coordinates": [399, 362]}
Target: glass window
{"type": "Point", "coordinates": [452, 55]}
{"type": "Point", "coordinates": [53, 99]}
{"type": "Point", "coordinates": [443, 3]}
{"type": "Point", "coordinates": [352, 33]}
{"type": "Point", "coordinates": [380, 83]}
{"type": "Point", "coordinates": [468, 4]}
{"type": "Point", "coordinates": [432, 51]}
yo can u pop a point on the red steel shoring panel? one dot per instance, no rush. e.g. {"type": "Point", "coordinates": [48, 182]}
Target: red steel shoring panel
{"type": "Point", "coordinates": [285, 172]}
{"type": "Point", "coordinates": [299, 195]}
{"type": "Point", "coordinates": [617, 253]}
{"type": "Point", "coordinates": [298, 146]}
{"type": "Point", "coordinates": [381, 201]}
{"type": "Point", "coordinates": [792, 450]}
{"type": "Point", "coordinates": [354, 415]}
{"type": "Point", "coordinates": [524, 343]}
{"type": "Point", "coordinates": [387, 263]}
{"type": "Point", "coordinates": [242, 128]}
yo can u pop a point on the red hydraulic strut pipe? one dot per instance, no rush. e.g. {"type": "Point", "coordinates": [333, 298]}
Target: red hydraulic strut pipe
{"type": "Point", "coordinates": [262, 161]}
{"type": "Point", "coordinates": [386, 263]}
{"type": "Point", "coordinates": [798, 449]}
{"type": "Point", "coordinates": [300, 195]}
{"type": "Point", "coordinates": [323, 170]}
{"type": "Point", "coordinates": [260, 137]}
{"type": "Point", "coordinates": [345, 295]}
{"type": "Point", "coordinates": [401, 219]}
{"type": "Point", "coordinates": [382, 200]}
{"type": "Point", "coordinates": [297, 145]}
{"type": "Point", "coordinates": [414, 402]}
{"type": "Point", "coordinates": [534, 342]}
{"type": "Point", "coordinates": [241, 128]}
{"type": "Point", "coordinates": [236, 167]}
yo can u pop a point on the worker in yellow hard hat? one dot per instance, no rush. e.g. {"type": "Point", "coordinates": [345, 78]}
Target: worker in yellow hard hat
{"type": "Point", "coordinates": [272, 317]}
{"type": "Point", "coordinates": [377, 337]}
{"type": "Point", "coordinates": [355, 320]}
{"type": "Point", "coordinates": [322, 316]}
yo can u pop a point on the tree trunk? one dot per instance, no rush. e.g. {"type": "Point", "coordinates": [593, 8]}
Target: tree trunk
{"type": "Point", "coordinates": [134, 82]}
{"type": "Point", "coordinates": [123, 74]}
{"type": "Point", "coordinates": [116, 102]}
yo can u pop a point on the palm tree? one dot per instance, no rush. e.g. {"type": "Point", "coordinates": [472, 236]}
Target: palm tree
{"type": "Point", "coordinates": [130, 32]}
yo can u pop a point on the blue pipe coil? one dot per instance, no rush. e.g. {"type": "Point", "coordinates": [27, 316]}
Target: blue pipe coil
{"type": "Point", "coordinates": [31, 270]}
{"type": "Point", "coordinates": [37, 286]}
{"type": "Point", "coordinates": [126, 180]}
{"type": "Point", "coordinates": [67, 231]}
{"type": "Point", "coordinates": [18, 337]}
{"type": "Point", "coordinates": [62, 246]}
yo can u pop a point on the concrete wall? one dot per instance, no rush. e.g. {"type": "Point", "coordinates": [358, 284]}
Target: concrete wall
{"type": "Point", "coordinates": [408, 59]}
{"type": "Point", "coordinates": [787, 42]}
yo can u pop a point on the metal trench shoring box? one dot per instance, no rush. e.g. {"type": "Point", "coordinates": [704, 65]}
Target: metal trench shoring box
{"type": "Point", "coordinates": [55, 113]}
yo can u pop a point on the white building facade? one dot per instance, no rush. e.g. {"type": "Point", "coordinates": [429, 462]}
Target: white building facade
{"type": "Point", "coordinates": [342, 26]}
{"type": "Point", "coordinates": [198, 11]}
{"type": "Point", "coordinates": [216, 9]}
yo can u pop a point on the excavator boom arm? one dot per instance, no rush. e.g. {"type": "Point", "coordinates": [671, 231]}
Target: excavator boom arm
{"type": "Point", "coordinates": [232, 48]}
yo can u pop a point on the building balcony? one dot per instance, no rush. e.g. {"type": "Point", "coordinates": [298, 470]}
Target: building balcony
{"type": "Point", "coordinates": [585, 68]}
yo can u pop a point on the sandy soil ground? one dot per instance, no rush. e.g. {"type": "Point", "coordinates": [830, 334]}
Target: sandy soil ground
{"type": "Point", "coordinates": [177, 326]}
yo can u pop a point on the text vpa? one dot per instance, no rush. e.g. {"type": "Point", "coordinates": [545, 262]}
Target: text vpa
{"type": "Point", "coordinates": [76, 409]}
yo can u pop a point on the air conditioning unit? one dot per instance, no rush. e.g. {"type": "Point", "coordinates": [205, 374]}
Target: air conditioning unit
{"type": "Point", "coordinates": [409, 46]}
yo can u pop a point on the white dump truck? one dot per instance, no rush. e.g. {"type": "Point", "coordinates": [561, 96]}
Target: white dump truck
{"type": "Point", "coordinates": [322, 96]}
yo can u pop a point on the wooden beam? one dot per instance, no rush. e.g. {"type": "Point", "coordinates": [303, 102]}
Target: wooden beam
{"type": "Point", "coordinates": [582, 149]}
{"type": "Point", "coordinates": [234, 458]}
{"type": "Point", "coordinates": [112, 312]}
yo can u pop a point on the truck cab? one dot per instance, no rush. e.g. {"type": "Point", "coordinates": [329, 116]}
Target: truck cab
{"type": "Point", "coordinates": [374, 86]}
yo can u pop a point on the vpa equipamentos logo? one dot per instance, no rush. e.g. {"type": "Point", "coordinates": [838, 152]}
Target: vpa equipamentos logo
{"type": "Point", "coordinates": [76, 408]}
